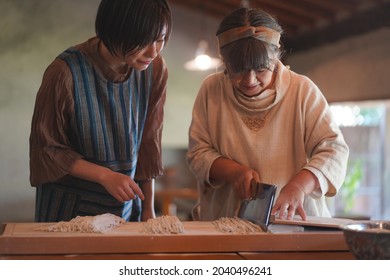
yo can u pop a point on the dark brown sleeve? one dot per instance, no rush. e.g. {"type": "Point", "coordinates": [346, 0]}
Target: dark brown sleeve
{"type": "Point", "coordinates": [150, 154]}
{"type": "Point", "coordinates": [51, 154]}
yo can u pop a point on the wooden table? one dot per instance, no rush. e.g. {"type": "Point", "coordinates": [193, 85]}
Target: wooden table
{"type": "Point", "coordinates": [201, 240]}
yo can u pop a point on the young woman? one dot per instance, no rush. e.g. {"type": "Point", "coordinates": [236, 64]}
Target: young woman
{"type": "Point", "coordinates": [95, 143]}
{"type": "Point", "coordinates": [258, 121]}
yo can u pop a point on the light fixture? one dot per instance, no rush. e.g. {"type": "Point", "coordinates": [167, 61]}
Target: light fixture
{"type": "Point", "coordinates": [202, 61]}
{"type": "Point", "coordinates": [245, 3]}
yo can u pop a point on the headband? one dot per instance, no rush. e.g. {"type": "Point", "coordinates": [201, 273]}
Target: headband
{"type": "Point", "coordinates": [261, 33]}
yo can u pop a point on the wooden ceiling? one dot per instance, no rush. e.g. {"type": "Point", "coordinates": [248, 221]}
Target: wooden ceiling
{"type": "Point", "coordinates": [307, 23]}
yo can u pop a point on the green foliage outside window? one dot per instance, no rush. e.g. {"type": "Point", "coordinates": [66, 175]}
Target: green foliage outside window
{"type": "Point", "coordinates": [351, 184]}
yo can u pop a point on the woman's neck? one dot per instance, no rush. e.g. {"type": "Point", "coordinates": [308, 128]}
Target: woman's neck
{"type": "Point", "coordinates": [114, 62]}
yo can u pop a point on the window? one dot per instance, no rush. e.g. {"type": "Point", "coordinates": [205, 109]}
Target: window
{"type": "Point", "coordinates": [365, 193]}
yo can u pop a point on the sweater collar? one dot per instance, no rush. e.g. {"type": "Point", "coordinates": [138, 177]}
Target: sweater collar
{"type": "Point", "coordinates": [269, 98]}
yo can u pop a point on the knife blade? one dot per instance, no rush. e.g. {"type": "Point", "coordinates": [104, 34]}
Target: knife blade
{"type": "Point", "coordinates": [258, 208]}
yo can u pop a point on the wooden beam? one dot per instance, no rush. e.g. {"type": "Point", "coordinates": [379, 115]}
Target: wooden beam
{"type": "Point", "coordinates": [359, 23]}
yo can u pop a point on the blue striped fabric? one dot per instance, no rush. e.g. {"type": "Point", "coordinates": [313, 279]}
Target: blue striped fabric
{"type": "Point", "coordinates": [110, 116]}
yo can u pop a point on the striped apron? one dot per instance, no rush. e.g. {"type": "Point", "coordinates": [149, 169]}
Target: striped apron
{"type": "Point", "coordinates": [106, 130]}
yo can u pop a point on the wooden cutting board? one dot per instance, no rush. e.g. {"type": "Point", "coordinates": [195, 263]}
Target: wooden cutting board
{"type": "Point", "coordinates": [22, 238]}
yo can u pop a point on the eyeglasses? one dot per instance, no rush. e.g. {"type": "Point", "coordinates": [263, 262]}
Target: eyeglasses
{"type": "Point", "coordinates": [259, 74]}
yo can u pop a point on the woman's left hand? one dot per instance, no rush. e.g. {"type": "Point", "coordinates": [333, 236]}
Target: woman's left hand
{"type": "Point", "coordinates": [289, 203]}
{"type": "Point", "coordinates": [291, 197]}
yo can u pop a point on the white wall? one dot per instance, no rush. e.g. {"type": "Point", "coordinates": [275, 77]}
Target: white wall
{"type": "Point", "coordinates": [32, 33]}
{"type": "Point", "coordinates": [356, 68]}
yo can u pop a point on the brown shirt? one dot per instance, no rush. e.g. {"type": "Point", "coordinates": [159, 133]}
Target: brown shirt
{"type": "Point", "coordinates": [52, 155]}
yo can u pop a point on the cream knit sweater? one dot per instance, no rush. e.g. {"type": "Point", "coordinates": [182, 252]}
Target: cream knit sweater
{"type": "Point", "coordinates": [299, 132]}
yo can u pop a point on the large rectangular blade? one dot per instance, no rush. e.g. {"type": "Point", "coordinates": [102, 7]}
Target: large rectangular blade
{"type": "Point", "coordinates": [258, 209]}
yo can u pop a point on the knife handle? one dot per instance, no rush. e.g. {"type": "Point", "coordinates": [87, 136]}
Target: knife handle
{"type": "Point", "coordinates": [254, 189]}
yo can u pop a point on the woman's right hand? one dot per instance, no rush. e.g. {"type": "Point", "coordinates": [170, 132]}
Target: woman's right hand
{"type": "Point", "coordinates": [242, 179]}
{"type": "Point", "coordinates": [239, 176]}
{"type": "Point", "coordinates": [120, 186]}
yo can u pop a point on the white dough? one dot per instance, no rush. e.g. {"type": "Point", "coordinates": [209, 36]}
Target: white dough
{"type": "Point", "coordinates": [99, 224]}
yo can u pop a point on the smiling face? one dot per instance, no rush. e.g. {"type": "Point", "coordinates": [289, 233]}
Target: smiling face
{"type": "Point", "coordinates": [250, 68]}
{"type": "Point", "coordinates": [250, 51]}
{"type": "Point", "coordinates": [141, 59]}
{"type": "Point", "coordinates": [254, 82]}
{"type": "Point", "coordinates": [132, 33]}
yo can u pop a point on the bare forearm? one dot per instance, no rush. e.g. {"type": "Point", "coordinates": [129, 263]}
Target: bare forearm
{"type": "Point", "coordinates": [147, 188]}
{"type": "Point", "coordinates": [120, 186]}
{"type": "Point", "coordinates": [306, 181]}
{"type": "Point", "coordinates": [89, 171]}
{"type": "Point", "coordinates": [221, 169]}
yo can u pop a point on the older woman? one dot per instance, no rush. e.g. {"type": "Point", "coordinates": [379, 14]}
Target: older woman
{"type": "Point", "coordinates": [259, 121]}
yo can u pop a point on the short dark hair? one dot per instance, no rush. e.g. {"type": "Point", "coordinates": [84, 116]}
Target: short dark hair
{"type": "Point", "coordinates": [248, 53]}
{"type": "Point", "coordinates": [130, 25]}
